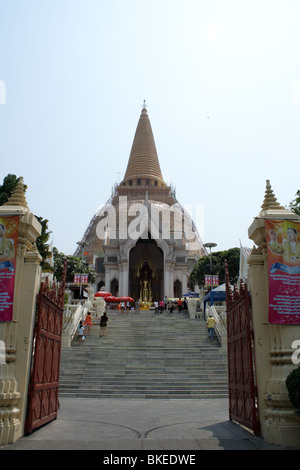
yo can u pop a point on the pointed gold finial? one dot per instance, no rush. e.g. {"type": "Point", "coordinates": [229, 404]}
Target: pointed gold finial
{"type": "Point", "coordinates": [18, 196]}
{"type": "Point", "coordinates": [270, 201]}
{"type": "Point", "coordinates": [144, 108]}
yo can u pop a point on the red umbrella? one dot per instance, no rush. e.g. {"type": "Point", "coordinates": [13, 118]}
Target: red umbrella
{"type": "Point", "coordinates": [124, 299]}
{"type": "Point", "coordinates": [102, 293]}
{"type": "Point", "coordinates": [111, 298]}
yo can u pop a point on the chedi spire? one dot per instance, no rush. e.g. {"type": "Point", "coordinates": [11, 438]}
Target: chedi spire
{"type": "Point", "coordinates": [143, 161]}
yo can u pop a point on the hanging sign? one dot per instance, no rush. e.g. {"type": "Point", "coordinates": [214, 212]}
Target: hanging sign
{"type": "Point", "coordinates": [283, 250]}
{"type": "Point", "coordinates": [211, 280]}
{"type": "Point", "coordinates": [81, 278]}
{"type": "Point", "coordinates": [9, 229]}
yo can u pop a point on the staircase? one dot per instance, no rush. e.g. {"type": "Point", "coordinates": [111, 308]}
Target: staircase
{"type": "Point", "coordinates": [145, 355]}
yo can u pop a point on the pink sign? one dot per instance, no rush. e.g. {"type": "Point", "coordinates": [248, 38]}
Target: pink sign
{"type": "Point", "coordinates": [283, 248]}
{"type": "Point", "coordinates": [9, 228]}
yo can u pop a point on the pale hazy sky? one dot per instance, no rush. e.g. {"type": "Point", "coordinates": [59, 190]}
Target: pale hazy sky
{"type": "Point", "coordinates": [222, 84]}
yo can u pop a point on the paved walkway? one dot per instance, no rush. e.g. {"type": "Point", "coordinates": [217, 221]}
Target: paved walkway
{"type": "Point", "coordinates": [135, 425]}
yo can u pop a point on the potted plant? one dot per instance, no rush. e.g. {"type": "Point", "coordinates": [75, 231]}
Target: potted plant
{"type": "Point", "coordinates": [293, 387]}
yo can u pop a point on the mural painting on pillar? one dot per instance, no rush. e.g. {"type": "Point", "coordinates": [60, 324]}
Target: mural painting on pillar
{"type": "Point", "coordinates": [283, 249]}
{"type": "Point", "coordinates": [9, 229]}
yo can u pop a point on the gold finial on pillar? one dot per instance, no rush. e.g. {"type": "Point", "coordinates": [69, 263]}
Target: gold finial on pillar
{"type": "Point", "coordinates": [272, 209]}
{"type": "Point", "coordinates": [270, 201]}
{"type": "Point", "coordinates": [18, 196]}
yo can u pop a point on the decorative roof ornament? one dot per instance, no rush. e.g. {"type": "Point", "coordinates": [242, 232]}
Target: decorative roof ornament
{"type": "Point", "coordinates": [144, 108]}
{"type": "Point", "coordinates": [271, 207]}
{"type": "Point", "coordinates": [270, 201]}
{"type": "Point", "coordinates": [18, 196]}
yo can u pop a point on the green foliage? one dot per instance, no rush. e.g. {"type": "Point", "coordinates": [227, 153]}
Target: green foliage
{"type": "Point", "coordinates": [7, 188]}
{"type": "Point", "coordinates": [202, 268]}
{"type": "Point", "coordinates": [74, 266]}
{"type": "Point", "coordinates": [295, 204]}
{"type": "Point", "coordinates": [293, 386]}
{"type": "Point", "coordinates": [42, 246]}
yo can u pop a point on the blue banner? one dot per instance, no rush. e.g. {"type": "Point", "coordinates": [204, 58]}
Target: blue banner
{"type": "Point", "coordinates": [284, 268]}
{"type": "Point", "coordinates": [7, 264]}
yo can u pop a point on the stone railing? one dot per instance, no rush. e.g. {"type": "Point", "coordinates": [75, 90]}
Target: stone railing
{"type": "Point", "coordinates": [72, 316]}
{"type": "Point", "coordinates": [73, 313]}
{"type": "Point", "coordinates": [193, 307]}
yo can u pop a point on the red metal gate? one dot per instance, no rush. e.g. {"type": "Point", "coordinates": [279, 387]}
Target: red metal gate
{"type": "Point", "coordinates": [243, 404]}
{"type": "Point", "coordinates": [44, 382]}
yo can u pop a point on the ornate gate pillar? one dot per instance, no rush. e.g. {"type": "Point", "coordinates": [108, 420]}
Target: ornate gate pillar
{"type": "Point", "coordinates": [272, 342]}
{"type": "Point", "coordinates": [16, 333]}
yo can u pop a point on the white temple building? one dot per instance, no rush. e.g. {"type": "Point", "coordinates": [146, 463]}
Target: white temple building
{"type": "Point", "coordinates": [142, 243]}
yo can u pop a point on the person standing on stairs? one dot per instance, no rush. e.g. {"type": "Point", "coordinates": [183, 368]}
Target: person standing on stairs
{"type": "Point", "coordinates": [80, 331]}
{"type": "Point", "coordinates": [103, 324]}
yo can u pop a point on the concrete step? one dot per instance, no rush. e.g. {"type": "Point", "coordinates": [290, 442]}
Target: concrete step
{"type": "Point", "coordinates": [149, 396]}
{"type": "Point", "coordinates": [146, 355]}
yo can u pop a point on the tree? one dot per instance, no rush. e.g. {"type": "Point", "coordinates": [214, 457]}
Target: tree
{"type": "Point", "coordinates": [74, 266]}
{"type": "Point", "coordinates": [42, 245]}
{"type": "Point", "coordinates": [202, 268]}
{"type": "Point", "coordinates": [295, 204]}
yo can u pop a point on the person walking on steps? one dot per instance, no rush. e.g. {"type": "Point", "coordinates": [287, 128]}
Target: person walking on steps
{"type": "Point", "coordinates": [103, 324]}
{"type": "Point", "coordinates": [88, 323]}
{"type": "Point", "coordinates": [80, 332]}
{"type": "Point", "coordinates": [210, 323]}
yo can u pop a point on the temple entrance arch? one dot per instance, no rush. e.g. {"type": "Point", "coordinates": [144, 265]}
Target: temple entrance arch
{"type": "Point", "coordinates": [146, 271]}
{"type": "Point", "coordinates": [100, 284]}
{"type": "Point", "coordinates": [114, 287]}
{"type": "Point", "coordinates": [177, 289]}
